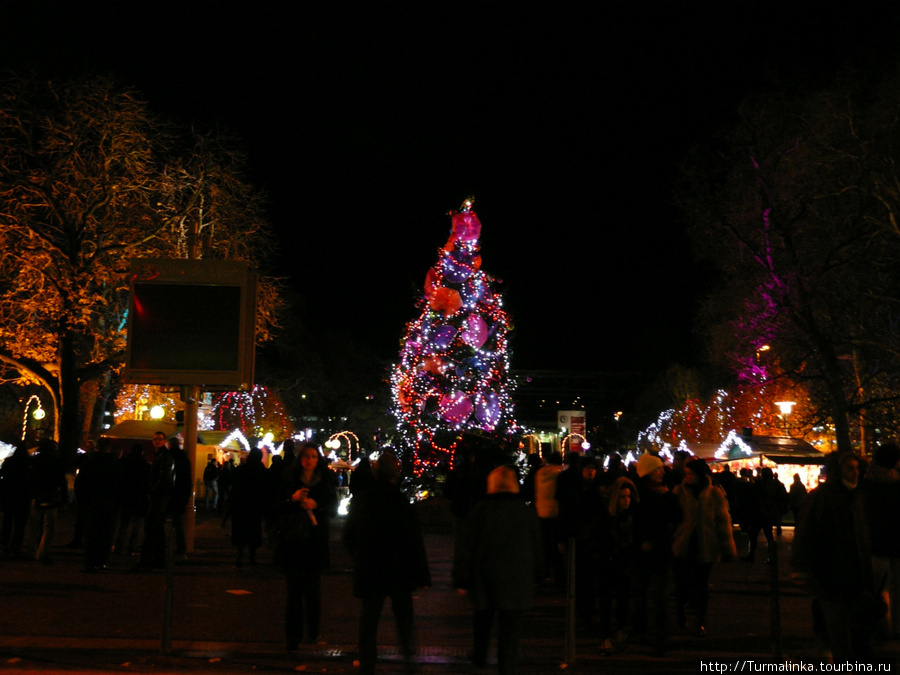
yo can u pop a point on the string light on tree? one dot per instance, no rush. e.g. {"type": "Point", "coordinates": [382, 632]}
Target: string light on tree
{"type": "Point", "coordinates": [252, 412]}
{"type": "Point", "coordinates": [453, 373]}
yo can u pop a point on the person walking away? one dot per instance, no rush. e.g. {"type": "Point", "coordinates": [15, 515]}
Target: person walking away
{"type": "Point", "coordinates": [211, 483]}
{"type": "Point", "coordinates": [98, 494]}
{"type": "Point", "coordinates": [769, 502]}
{"type": "Point", "coordinates": [796, 496]}
{"type": "Point", "coordinates": [465, 485]}
{"type": "Point", "coordinates": [495, 563]}
{"type": "Point", "coordinates": [247, 506]}
{"type": "Point", "coordinates": [82, 456]}
{"type": "Point", "coordinates": [832, 558]}
{"type": "Point", "coordinates": [361, 478]}
{"type": "Point", "coordinates": [134, 501]}
{"type": "Point", "coordinates": [49, 491]}
{"type": "Point", "coordinates": [534, 465]}
{"type": "Point", "coordinates": [15, 499]}
{"type": "Point", "coordinates": [303, 552]}
{"type": "Point", "coordinates": [547, 507]}
{"type": "Point", "coordinates": [881, 488]}
{"type": "Point", "coordinates": [654, 522]}
{"type": "Point", "coordinates": [180, 497]}
{"type": "Point", "coordinates": [387, 548]}
{"type": "Point", "coordinates": [224, 482]}
{"type": "Point", "coordinates": [702, 537]}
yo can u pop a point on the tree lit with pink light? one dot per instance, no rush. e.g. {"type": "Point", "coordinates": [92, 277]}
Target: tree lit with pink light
{"type": "Point", "coordinates": [453, 373]}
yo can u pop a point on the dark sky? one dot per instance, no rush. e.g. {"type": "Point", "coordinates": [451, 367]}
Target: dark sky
{"type": "Point", "coordinates": [366, 123]}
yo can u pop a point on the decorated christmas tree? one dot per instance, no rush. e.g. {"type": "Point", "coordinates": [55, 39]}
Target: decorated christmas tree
{"type": "Point", "coordinates": [453, 376]}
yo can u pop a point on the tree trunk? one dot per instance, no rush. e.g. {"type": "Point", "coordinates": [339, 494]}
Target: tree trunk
{"type": "Point", "coordinates": [68, 414]}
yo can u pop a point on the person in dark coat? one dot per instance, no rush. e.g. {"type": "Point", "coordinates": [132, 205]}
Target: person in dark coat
{"type": "Point", "coordinates": [654, 522]}
{"type": "Point", "coordinates": [388, 552]}
{"type": "Point", "coordinates": [769, 502]}
{"type": "Point", "coordinates": [881, 487]}
{"type": "Point", "coordinates": [15, 499]}
{"type": "Point", "coordinates": [98, 494]}
{"type": "Point", "coordinates": [247, 506]}
{"type": "Point", "coordinates": [796, 496]}
{"type": "Point", "coordinates": [362, 477]}
{"type": "Point", "coordinates": [211, 483]}
{"type": "Point", "coordinates": [534, 465]}
{"type": "Point", "coordinates": [311, 499]}
{"type": "Point", "coordinates": [496, 562]}
{"type": "Point", "coordinates": [180, 497]}
{"type": "Point", "coordinates": [582, 511]}
{"type": "Point", "coordinates": [49, 491]}
{"type": "Point", "coordinates": [832, 556]}
{"type": "Point", "coordinates": [617, 558]}
{"type": "Point", "coordinates": [162, 480]}
{"type": "Point", "coordinates": [464, 486]}
{"type": "Point", "coordinates": [134, 500]}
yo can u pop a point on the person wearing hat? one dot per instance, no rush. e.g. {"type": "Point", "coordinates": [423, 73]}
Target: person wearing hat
{"type": "Point", "coordinates": [702, 537]}
{"type": "Point", "coordinates": [653, 523]}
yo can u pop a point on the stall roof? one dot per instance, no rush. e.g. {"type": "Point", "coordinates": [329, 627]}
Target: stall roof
{"type": "Point", "coordinates": [785, 450]}
{"type": "Point", "coordinates": [779, 449]}
{"type": "Point", "coordinates": [218, 438]}
{"type": "Point", "coordinates": [143, 430]}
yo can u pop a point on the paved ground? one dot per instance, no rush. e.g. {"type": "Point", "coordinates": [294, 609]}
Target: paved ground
{"type": "Point", "coordinates": [55, 618]}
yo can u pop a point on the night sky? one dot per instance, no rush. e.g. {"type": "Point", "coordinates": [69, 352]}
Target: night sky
{"type": "Point", "coordinates": [567, 121]}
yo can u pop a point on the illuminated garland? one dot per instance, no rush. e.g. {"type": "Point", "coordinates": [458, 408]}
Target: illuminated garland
{"type": "Point", "coordinates": [453, 374]}
{"type": "Point", "coordinates": [38, 413]}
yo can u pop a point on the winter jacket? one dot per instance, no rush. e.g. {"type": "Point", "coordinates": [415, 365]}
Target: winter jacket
{"type": "Point", "coordinates": [704, 532]}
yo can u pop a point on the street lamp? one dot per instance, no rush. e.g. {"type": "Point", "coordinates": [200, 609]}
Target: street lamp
{"type": "Point", "coordinates": [785, 407]}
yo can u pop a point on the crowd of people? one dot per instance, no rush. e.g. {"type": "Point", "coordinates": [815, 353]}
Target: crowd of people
{"type": "Point", "coordinates": [641, 536]}
{"type": "Point", "coordinates": [631, 533]}
{"type": "Point", "coordinates": [637, 537]}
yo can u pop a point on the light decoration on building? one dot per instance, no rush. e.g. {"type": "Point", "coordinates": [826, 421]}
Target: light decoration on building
{"type": "Point", "coordinates": [235, 435]}
{"type": "Point", "coordinates": [733, 440]}
{"type": "Point", "coordinates": [453, 373]}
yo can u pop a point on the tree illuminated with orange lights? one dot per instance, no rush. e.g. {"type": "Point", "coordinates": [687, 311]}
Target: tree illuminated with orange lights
{"type": "Point", "coordinates": [90, 179]}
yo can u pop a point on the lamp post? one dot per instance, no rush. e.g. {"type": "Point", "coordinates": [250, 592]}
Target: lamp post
{"type": "Point", "coordinates": [785, 407]}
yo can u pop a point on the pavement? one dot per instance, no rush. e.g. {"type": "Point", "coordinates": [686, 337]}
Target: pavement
{"type": "Point", "coordinates": [226, 620]}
